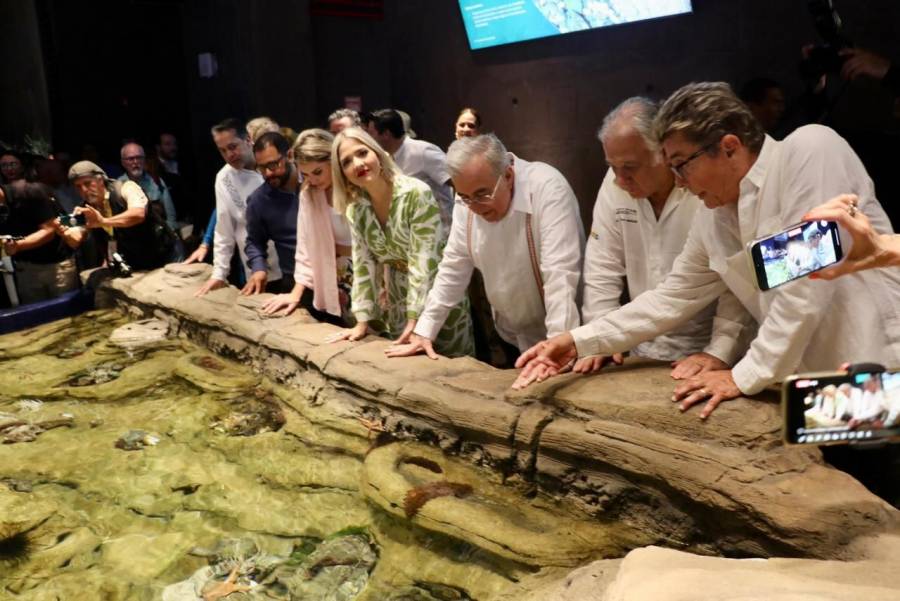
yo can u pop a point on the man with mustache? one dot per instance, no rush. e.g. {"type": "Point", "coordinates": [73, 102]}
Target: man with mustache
{"type": "Point", "coordinates": [272, 215]}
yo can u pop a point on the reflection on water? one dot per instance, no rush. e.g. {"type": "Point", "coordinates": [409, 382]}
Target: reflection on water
{"type": "Point", "coordinates": [164, 472]}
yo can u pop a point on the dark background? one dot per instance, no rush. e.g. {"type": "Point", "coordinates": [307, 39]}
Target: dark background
{"type": "Point", "coordinates": [97, 72]}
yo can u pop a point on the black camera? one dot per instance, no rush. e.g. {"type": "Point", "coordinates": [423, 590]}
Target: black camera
{"type": "Point", "coordinates": [72, 220]}
{"type": "Point", "coordinates": [825, 58]}
{"type": "Point", "coordinates": [119, 267]}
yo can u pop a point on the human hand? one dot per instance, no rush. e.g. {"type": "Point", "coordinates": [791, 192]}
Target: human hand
{"type": "Point", "coordinates": [357, 332]}
{"type": "Point", "coordinates": [696, 364]}
{"type": "Point", "coordinates": [211, 284]}
{"type": "Point", "coordinates": [545, 359]}
{"type": "Point", "coordinates": [870, 249]}
{"type": "Point", "coordinates": [92, 217]}
{"type": "Point", "coordinates": [403, 338]}
{"type": "Point", "coordinates": [595, 363]}
{"type": "Point", "coordinates": [198, 256]}
{"type": "Point", "coordinates": [717, 386]}
{"type": "Point", "coordinates": [859, 62]}
{"type": "Point", "coordinates": [416, 345]}
{"type": "Point", "coordinates": [256, 284]}
{"type": "Point", "coordinates": [288, 302]}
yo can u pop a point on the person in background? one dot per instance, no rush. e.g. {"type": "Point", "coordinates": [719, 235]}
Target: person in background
{"type": "Point", "coordinates": [395, 221]}
{"type": "Point", "coordinates": [259, 126]}
{"type": "Point", "coordinates": [519, 224]}
{"type": "Point", "coordinates": [134, 163]}
{"type": "Point", "coordinates": [753, 185]}
{"type": "Point", "coordinates": [641, 222]}
{"type": "Point", "coordinates": [45, 267]}
{"type": "Point", "coordinates": [118, 217]}
{"type": "Point", "coordinates": [235, 181]}
{"type": "Point", "coordinates": [416, 158]}
{"type": "Point", "coordinates": [870, 250]}
{"type": "Point", "coordinates": [765, 99]}
{"type": "Point", "coordinates": [272, 215]}
{"type": "Point", "coordinates": [12, 169]}
{"type": "Point", "coordinates": [468, 123]}
{"type": "Point", "coordinates": [322, 265]}
{"type": "Point", "coordinates": [342, 119]}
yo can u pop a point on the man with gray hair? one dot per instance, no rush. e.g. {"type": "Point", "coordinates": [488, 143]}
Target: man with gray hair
{"type": "Point", "coordinates": [641, 222]}
{"type": "Point", "coordinates": [341, 119]}
{"type": "Point", "coordinates": [752, 187]}
{"type": "Point", "coordinates": [134, 161]}
{"type": "Point", "coordinates": [518, 223]}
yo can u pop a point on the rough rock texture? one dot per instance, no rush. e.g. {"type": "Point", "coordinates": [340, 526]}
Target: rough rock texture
{"type": "Point", "coordinates": [613, 442]}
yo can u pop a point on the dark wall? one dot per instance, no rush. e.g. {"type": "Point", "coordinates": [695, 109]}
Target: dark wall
{"type": "Point", "coordinates": [545, 98]}
{"type": "Point", "coordinates": [23, 88]}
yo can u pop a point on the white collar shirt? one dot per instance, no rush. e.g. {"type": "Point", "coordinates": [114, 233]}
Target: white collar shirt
{"type": "Point", "coordinates": [232, 188]}
{"type": "Point", "coordinates": [428, 163]}
{"type": "Point", "coordinates": [500, 251]}
{"type": "Point", "coordinates": [629, 245]}
{"type": "Point", "coordinates": [804, 325]}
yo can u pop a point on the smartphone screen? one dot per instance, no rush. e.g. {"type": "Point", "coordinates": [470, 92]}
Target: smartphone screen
{"type": "Point", "coordinates": [842, 408]}
{"type": "Point", "coordinates": [795, 252]}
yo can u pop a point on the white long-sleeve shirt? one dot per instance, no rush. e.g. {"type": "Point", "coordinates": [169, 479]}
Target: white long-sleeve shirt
{"type": "Point", "coordinates": [805, 325]}
{"type": "Point", "coordinates": [628, 243]}
{"type": "Point", "coordinates": [232, 188]}
{"type": "Point", "coordinates": [500, 252]}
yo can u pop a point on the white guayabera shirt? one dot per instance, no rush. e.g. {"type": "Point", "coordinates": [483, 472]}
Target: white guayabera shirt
{"type": "Point", "coordinates": [805, 325]}
{"type": "Point", "coordinates": [500, 251]}
{"type": "Point", "coordinates": [232, 188]}
{"type": "Point", "coordinates": [628, 242]}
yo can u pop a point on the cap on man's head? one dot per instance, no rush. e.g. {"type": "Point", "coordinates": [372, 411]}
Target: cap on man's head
{"type": "Point", "coordinates": [83, 168]}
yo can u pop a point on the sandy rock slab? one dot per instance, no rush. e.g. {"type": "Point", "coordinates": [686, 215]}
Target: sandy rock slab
{"type": "Point", "coordinates": [653, 573]}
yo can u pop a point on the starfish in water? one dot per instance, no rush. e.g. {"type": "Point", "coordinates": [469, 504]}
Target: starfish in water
{"type": "Point", "coordinates": [372, 425]}
{"type": "Point", "coordinates": [222, 589]}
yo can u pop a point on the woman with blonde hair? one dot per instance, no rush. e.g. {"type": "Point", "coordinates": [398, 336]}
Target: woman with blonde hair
{"type": "Point", "coordinates": [322, 268]}
{"type": "Point", "coordinates": [395, 221]}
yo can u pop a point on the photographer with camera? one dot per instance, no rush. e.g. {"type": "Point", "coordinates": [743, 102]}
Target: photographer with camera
{"type": "Point", "coordinates": [118, 212]}
{"type": "Point", "coordinates": [40, 247]}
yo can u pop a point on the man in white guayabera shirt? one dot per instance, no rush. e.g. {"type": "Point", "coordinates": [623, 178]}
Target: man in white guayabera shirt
{"type": "Point", "coordinates": [752, 186]}
{"type": "Point", "coordinates": [518, 223]}
{"type": "Point", "coordinates": [235, 181]}
{"type": "Point", "coordinates": [641, 221]}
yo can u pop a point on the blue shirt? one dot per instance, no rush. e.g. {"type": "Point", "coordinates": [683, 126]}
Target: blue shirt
{"type": "Point", "coordinates": [271, 215]}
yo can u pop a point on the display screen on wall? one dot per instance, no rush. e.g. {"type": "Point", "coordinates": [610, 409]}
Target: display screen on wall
{"type": "Point", "coordinates": [496, 22]}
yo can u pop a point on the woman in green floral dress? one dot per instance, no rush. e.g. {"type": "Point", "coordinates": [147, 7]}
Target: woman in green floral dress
{"type": "Point", "coordinates": [398, 239]}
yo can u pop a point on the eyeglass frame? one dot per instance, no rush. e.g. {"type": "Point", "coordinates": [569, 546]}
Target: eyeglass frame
{"type": "Point", "coordinates": [134, 159]}
{"type": "Point", "coordinates": [678, 169]}
{"type": "Point", "coordinates": [268, 167]}
{"type": "Point", "coordinates": [481, 199]}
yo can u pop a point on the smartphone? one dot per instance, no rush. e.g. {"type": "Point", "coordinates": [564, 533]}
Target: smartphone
{"type": "Point", "coordinates": [841, 408]}
{"type": "Point", "coordinates": [795, 252]}
{"type": "Point", "coordinates": [72, 220]}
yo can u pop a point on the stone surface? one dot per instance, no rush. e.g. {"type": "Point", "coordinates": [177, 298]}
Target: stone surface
{"type": "Point", "coordinates": [613, 443]}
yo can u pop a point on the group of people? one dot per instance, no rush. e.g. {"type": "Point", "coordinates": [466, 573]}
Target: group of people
{"type": "Point", "coordinates": [867, 404]}
{"type": "Point", "coordinates": [371, 229]}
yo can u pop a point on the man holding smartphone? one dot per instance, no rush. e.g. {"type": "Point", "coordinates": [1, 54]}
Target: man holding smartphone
{"type": "Point", "coordinates": [753, 186]}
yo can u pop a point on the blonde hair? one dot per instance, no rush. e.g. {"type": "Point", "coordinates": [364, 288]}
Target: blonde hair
{"type": "Point", "coordinates": [345, 193]}
{"type": "Point", "coordinates": [706, 112]}
{"type": "Point", "coordinates": [259, 126]}
{"type": "Point", "coordinates": [313, 146]}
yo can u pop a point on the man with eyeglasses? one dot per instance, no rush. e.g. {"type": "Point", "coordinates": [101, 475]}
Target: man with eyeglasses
{"type": "Point", "coordinates": [519, 224]}
{"type": "Point", "coordinates": [134, 162]}
{"type": "Point", "coordinates": [755, 186]}
{"type": "Point", "coordinates": [272, 215]}
{"type": "Point", "coordinates": [235, 181]}
{"type": "Point", "coordinates": [641, 222]}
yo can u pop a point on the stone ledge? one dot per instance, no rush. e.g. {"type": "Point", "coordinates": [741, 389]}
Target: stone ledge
{"type": "Point", "coordinates": [613, 443]}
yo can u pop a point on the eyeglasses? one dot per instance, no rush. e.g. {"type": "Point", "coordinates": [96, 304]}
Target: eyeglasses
{"type": "Point", "coordinates": [133, 159]}
{"type": "Point", "coordinates": [678, 169]}
{"type": "Point", "coordinates": [271, 165]}
{"type": "Point", "coordinates": [10, 164]}
{"type": "Point", "coordinates": [479, 198]}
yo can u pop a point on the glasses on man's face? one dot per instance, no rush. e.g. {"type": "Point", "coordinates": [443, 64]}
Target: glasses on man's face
{"type": "Point", "coordinates": [10, 165]}
{"type": "Point", "coordinates": [270, 166]}
{"type": "Point", "coordinates": [479, 199]}
{"type": "Point", "coordinates": [135, 159]}
{"type": "Point", "coordinates": [678, 169]}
